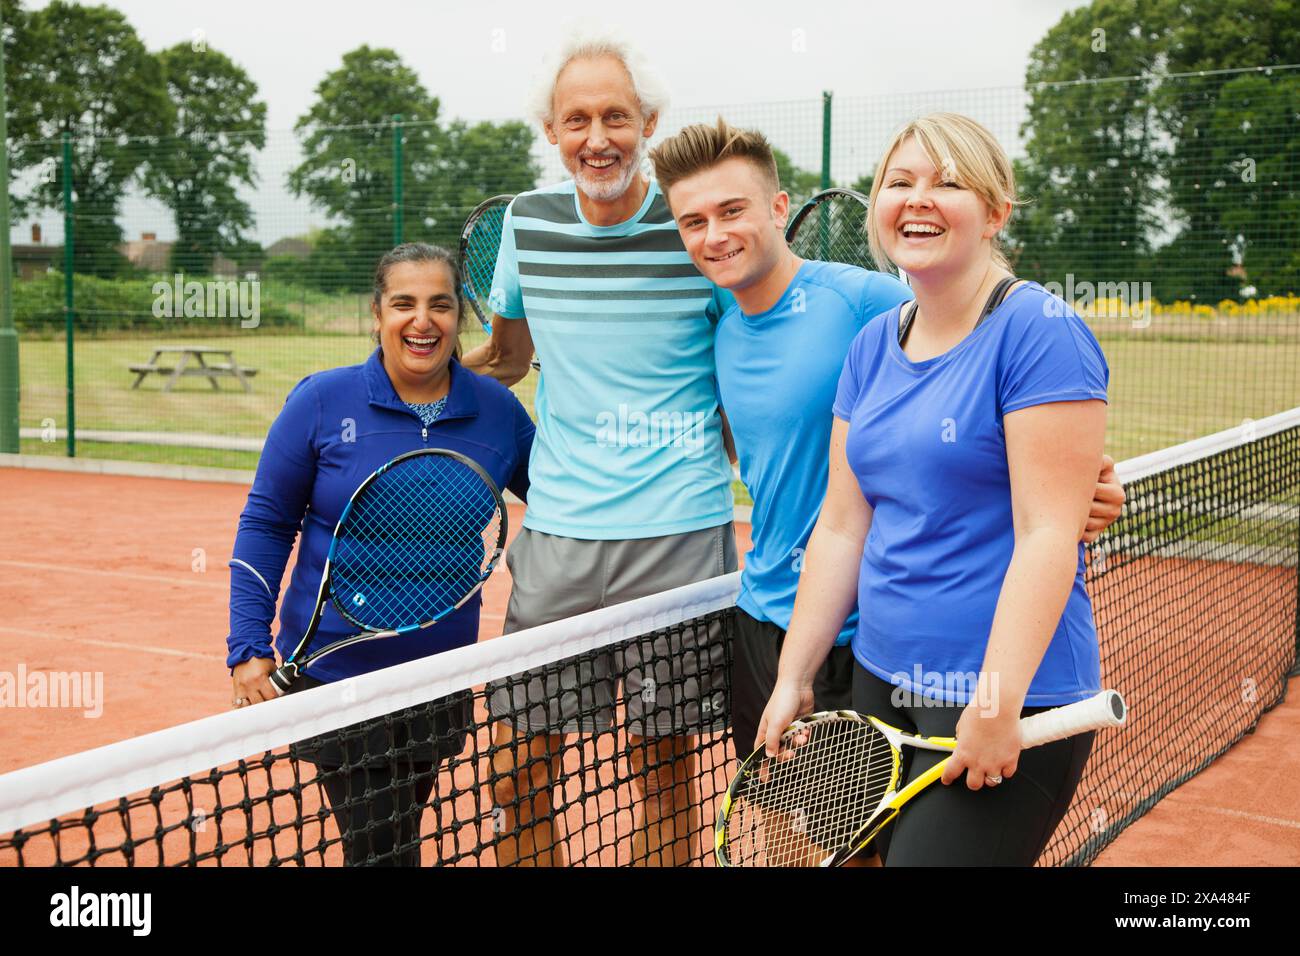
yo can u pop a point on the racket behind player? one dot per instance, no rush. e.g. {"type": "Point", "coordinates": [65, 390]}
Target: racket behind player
{"type": "Point", "coordinates": [832, 227]}
{"type": "Point", "coordinates": [416, 541]}
{"type": "Point", "coordinates": [834, 785]}
{"type": "Point", "coordinates": [480, 244]}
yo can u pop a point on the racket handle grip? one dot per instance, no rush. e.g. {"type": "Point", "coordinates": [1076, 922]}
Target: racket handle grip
{"type": "Point", "coordinates": [1106, 709]}
{"type": "Point", "coordinates": [282, 678]}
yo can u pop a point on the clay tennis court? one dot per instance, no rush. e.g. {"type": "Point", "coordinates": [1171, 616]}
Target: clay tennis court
{"type": "Point", "coordinates": [128, 577]}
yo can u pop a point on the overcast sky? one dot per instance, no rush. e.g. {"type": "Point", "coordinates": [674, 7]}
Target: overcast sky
{"type": "Point", "coordinates": [479, 57]}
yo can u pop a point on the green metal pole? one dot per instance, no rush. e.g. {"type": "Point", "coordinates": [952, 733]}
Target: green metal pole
{"type": "Point", "coordinates": [824, 217]}
{"type": "Point", "coordinates": [69, 300]}
{"type": "Point", "coordinates": [826, 139]}
{"type": "Point", "coordinates": [8, 334]}
{"type": "Point", "coordinates": [397, 179]}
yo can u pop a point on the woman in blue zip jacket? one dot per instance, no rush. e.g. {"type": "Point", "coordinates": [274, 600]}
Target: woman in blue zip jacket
{"type": "Point", "coordinates": [337, 427]}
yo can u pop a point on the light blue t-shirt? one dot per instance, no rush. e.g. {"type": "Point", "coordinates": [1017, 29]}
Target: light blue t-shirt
{"type": "Point", "coordinates": [926, 443]}
{"type": "Point", "coordinates": [777, 373]}
{"type": "Point", "coordinates": [629, 438]}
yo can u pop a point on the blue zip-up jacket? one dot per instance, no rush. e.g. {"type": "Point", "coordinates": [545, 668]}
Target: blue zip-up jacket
{"type": "Point", "coordinates": [337, 427]}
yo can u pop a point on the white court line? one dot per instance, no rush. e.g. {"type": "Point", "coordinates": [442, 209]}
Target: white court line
{"type": "Point", "coordinates": [1224, 811]}
{"type": "Point", "coordinates": [115, 645]}
{"type": "Point", "coordinates": [195, 582]}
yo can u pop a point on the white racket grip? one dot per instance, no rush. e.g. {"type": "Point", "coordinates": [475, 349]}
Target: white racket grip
{"type": "Point", "coordinates": [1106, 709]}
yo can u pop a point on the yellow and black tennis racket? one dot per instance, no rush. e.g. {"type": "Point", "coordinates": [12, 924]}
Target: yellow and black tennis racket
{"type": "Point", "coordinates": [834, 785]}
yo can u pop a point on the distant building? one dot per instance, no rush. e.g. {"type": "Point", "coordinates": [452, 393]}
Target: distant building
{"type": "Point", "coordinates": [149, 254]}
{"type": "Point", "coordinates": [31, 261]}
{"type": "Point", "coordinates": [294, 246]}
{"type": "Point", "coordinates": [34, 260]}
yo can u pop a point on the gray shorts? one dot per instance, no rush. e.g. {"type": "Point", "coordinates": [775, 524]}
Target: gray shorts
{"type": "Point", "coordinates": [674, 683]}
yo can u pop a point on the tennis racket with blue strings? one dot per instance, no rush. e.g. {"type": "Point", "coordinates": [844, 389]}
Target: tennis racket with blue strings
{"type": "Point", "coordinates": [416, 541]}
{"type": "Point", "coordinates": [480, 242]}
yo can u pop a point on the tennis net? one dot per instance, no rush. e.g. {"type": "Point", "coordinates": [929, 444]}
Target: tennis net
{"type": "Point", "coordinates": [1194, 591]}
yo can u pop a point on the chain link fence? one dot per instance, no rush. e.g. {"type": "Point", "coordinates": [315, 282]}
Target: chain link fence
{"type": "Point", "coordinates": [230, 266]}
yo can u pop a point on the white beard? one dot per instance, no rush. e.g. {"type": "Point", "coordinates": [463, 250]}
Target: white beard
{"type": "Point", "coordinates": [605, 190]}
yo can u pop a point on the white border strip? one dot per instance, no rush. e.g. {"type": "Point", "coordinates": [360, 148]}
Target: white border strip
{"type": "Point", "coordinates": [70, 784]}
{"type": "Point", "coordinates": [129, 469]}
{"type": "Point", "coordinates": [1144, 466]}
{"type": "Point", "coordinates": [171, 439]}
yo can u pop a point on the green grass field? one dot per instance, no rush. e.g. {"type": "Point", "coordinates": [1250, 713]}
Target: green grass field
{"type": "Point", "coordinates": [1162, 392]}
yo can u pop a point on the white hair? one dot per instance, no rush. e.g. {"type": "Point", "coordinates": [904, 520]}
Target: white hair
{"type": "Point", "coordinates": [589, 42]}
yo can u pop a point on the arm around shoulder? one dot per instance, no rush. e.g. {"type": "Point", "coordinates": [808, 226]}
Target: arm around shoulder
{"type": "Point", "coordinates": [506, 355]}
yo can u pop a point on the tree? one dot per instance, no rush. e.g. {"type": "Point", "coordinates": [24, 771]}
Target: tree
{"type": "Point", "coordinates": [1092, 152]}
{"type": "Point", "coordinates": [1231, 171]}
{"type": "Point", "coordinates": [349, 172]}
{"type": "Point", "coordinates": [801, 184]}
{"type": "Point", "coordinates": [864, 183]}
{"type": "Point", "coordinates": [1134, 173]}
{"type": "Point", "coordinates": [218, 125]}
{"type": "Point", "coordinates": [83, 70]}
{"type": "Point", "coordinates": [18, 39]}
{"type": "Point", "coordinates": [350, 169]}
{"type": "Point", "coordinates": [1253, 201]}
{"type": "Point", "coordinates": [476, 162]}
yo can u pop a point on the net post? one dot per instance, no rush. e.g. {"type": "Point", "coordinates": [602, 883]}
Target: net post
{"type": "Point", "coordinates": [9, 369]}
{"type": "Point", "coordinates": [69, 297]}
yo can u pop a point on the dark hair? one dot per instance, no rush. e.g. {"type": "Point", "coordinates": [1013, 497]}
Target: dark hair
{"type": "Point", "coordinates": [419, 252]}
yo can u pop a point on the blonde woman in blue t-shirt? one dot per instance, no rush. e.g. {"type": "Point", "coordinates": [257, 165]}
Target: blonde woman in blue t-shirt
{"type": "Point", "coordinates": [967, 438]}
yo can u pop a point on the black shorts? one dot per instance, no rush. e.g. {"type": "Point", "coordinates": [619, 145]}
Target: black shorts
{"type": "Point", "coordinates": [1004, 825]}
{"type": "Point", "coordinates": [756, 651]}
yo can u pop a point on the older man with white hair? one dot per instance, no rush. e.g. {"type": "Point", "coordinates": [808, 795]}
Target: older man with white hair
{"type": "Point", "coordinates": [630, 482]}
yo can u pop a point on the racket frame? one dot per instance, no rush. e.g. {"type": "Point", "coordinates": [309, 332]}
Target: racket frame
{"type": "Point", "coordinates": [466, 231]}
{"type": "Point", "coordinates": [292, 667]}
{"type": "Point", "coordinates": [1102, 710]}
{"type": "Point", "coordinates": [816, 200]}
{"type": "Point", "coordinates": [753, 764]}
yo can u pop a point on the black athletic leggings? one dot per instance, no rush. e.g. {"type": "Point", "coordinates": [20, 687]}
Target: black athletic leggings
{"type": "Point", "coordinates": [378, 775]}
{"type": "Point", "coordinates": [1004, 825]}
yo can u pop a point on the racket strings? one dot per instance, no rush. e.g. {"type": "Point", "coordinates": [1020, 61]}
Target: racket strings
{"type": "Point", "coordinates": [797, 809]}
{"type": "Point", "coordinates": [482, 246]}
{"type": "Point", "coordinates": [416, 540]}
{"type": "Point", "coordinates": [835, 230]}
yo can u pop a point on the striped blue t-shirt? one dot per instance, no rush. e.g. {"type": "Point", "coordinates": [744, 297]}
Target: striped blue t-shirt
{"type": "Point", "coordinates": [629, 441]}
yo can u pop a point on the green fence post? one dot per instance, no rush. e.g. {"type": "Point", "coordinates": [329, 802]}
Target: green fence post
{"type": "Point", "coordinates": [397, 179]}
{"type": "Point", "coordinates": [826, 139]}
{"type": "Point", "coordinates": [69, 300]}
{"type": "Point", "coordinates": [8, 334]}
{"type": "Point", "coordinates": [824, 217]}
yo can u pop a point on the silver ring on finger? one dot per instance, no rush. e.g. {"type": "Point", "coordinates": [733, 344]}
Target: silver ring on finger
{"type": "Point", "coordinates": [239, 702]}
{"type": "Point", "coordinates": [993, 781]}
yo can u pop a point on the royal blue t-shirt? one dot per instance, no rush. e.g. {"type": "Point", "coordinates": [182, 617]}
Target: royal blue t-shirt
{"type": "Point", "coordinates": [926, 443]}
{"type": "Point", "coordinates": [777, 373]}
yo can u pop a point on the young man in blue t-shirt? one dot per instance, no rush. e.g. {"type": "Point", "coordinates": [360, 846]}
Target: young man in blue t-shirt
{"type": "Point", "coordinates": [779, 351]}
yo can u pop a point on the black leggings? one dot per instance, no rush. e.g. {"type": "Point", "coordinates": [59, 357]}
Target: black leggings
{"type": "Point", "coordinates": [378, 775]}
{"type": "Point", "coordinates": [370, 835]}
{"type": "Point", "coordinates": [1005, 825]}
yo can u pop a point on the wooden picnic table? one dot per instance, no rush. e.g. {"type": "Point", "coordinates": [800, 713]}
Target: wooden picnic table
{"type": "Point", "coordinates": [191, 360]}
